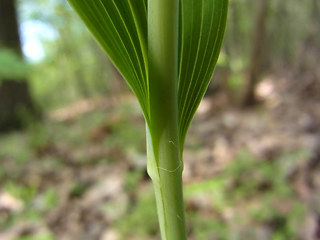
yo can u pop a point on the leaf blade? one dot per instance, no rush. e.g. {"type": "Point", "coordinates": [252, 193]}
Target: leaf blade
{"type": "Point", "coordinates": [121, 29]}
{"type": "Point", "coordinates": [202, 26]}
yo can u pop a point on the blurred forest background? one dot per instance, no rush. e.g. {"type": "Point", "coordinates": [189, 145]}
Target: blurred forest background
{"type": "Point", "coordinates": [72, 144]}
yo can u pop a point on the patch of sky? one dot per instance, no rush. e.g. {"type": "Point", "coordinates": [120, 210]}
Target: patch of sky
{"type": "Point", "coordinates": [33, 32]}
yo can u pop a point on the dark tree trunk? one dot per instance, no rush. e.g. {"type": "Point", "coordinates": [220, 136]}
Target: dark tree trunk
{"type": "Point", "coordinates": [14, 93]}
{"type": "Point", "coordinates": [256, 59]}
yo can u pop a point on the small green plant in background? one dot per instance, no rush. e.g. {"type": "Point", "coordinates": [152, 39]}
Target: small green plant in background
{"type": "Point", "coordinates": [166, 50]}
{"type": "Point", "coordinates": [41, 236]}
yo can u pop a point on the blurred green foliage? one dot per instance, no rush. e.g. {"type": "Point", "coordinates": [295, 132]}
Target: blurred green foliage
{"type": "Point", "coordinates": [255, 186]}
{"type": "Point", "coordinates": [11, 66]}
{"type": "Point", "coordinates": [142, 220]}
{"type": "Point", "coordinates": [24, 193]}
{"type": "Point", "coordinates": [43, 236]}
{"type": "Point", "coordinates": [288, 28]}
{"type": "Point", "coordinates": [73, 66]}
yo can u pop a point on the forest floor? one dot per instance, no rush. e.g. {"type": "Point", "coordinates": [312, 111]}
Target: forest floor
{"type": "Point", "coordinates": [249, 173]}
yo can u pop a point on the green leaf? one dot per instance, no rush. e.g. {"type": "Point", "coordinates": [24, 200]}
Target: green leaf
{"type": "Point", "coordinates": [121, 29]}
{"type": "Point", "coordinates": [202, 28]}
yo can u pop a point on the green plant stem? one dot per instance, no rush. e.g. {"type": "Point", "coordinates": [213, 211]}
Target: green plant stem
{"type": "Point", "coordinates": [167, 185]}
{"type": "Point", "coordinates": [164, 158]}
